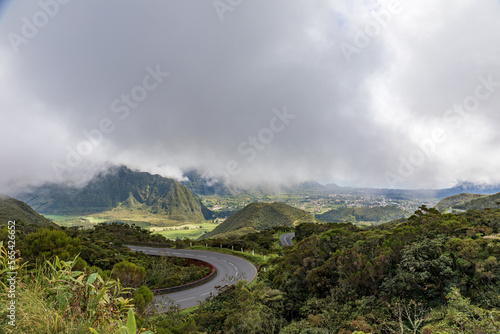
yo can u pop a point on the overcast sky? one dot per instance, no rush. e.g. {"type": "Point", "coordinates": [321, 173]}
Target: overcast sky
{"type": "Point", "coordinates": [367, 93]}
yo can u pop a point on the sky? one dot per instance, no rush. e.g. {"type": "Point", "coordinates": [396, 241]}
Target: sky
{"type": "Point", "coordinates": [375, 93]}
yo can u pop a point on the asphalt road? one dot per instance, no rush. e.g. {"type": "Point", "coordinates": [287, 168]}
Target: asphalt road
{"type": "Point", "coordinates": [286, 239]}
{"type": "Point", "coordinates": [229, 269]}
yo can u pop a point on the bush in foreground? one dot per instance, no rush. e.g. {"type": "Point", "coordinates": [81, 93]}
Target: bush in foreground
{"type": "Point", "coordinates": [54, 298]}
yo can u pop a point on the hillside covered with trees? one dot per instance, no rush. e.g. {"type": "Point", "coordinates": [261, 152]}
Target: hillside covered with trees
{"type": "Point", "coordinates": [377, 214]}
{"type": "Point", "coordinates": [24, 215]}
{"type": "Point", "coordinates": [260, 216]}
{"type": "Point", "coordinates": [121, 192]}
{"type": "Point", "coordinates": [451, 202]}
{"type": "Point", "coordinates": [432, 273]}
{"type": "Point", "coordinates": [490, 201]}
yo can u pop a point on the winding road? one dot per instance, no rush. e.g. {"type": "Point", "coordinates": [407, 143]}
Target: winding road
{"type": "Point", "coordinates": [286, 239]}
{"type": "Point", "coordinates": [229, 268]}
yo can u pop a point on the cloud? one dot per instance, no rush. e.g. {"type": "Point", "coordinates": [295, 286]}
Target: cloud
{"type": "Point", "coordinates": [355, 121]}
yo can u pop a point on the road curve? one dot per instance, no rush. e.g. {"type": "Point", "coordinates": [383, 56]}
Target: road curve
{"type": "Point", "coordinates": [286, 239]}
{"type": "Point", "coordinates": [228, 268]}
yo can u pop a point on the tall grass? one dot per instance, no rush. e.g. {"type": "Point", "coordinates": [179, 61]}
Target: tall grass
{"type": "Point", "coordinates": [53, 298]}
{"type": "Point", "coordinates": [37, 315]}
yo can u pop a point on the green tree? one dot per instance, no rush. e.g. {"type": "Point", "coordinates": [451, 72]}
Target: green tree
{"type": "Point", "coordinates": [460, 316]}
{"type": "Point", "coordinates": [243, 310]}
{"type": "Point", "coordinates": [129, 274]}
{"type": "Point", "coordinates": [48, 244]}
{"type": "Point", "coordinates": [142, 297]}
{"type": "Point", "coordinates": [425, 270]}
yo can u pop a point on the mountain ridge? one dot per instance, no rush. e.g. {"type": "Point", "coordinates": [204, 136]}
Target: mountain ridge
{"type": "Point", "coordinates": [481, 203]}
{"type": "Point", "coordinates": [450, 202]}
{"type": "Point", "coordinates": [203, 186]}
{"type": "Point", "coordinates": [24, 215]}
{"type": "Point", "coordinates": [120, 189]}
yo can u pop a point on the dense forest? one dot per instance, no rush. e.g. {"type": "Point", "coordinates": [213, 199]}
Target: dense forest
{"type": "Point", "coordinates": [378, 214]}
{"type": "Point", "coordinates": [432, 273]}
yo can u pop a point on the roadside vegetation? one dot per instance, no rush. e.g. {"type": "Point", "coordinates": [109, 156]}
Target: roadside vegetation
{"type": "Point", "coordinates": [432, 273]}
{"type": "Point", "coordinates": [53, 297]}
{"type": "Point", "coordinates": [72, 280]}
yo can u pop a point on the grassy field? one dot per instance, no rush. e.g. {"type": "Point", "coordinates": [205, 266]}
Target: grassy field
{"type": "Point", "coordinates": [60, 218]}
{"type": "Point", "coordinates": [69, 221]}
{"type": "Point", "coordinates": [191, 231]}
{"type": "Point", "coordinates": [142, 216]}
{"type": "Point", "coordinates": [85, 221]}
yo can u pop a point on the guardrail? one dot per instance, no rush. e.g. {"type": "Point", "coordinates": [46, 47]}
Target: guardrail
{"type": "Point", "coordinates": [194, 284]}
{"type": "Point", "coordinates": [147, 244]}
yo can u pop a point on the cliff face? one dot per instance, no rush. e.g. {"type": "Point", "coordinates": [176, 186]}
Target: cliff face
{"type": "Point", "coordinates": [120, 188]}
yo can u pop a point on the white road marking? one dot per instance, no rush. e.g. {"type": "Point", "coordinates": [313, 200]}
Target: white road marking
{"type": "Point", "coordinates": [195, 255]}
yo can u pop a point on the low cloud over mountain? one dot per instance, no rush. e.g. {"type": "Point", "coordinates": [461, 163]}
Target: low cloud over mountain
{"type": "Point", "coordinates": [368, 93]}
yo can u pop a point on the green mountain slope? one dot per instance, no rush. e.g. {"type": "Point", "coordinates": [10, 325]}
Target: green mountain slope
{"type": "Point", "coordinates": [121, 193]}
{"type": "Point", "coordinates": [261, 216]}
{"type": "Point", "coordinates": [379, 214]}
{"type": "Point", "coordinates": [484, 202]}
{"type": "Point", "coordinates": [25, 217]}
{"type": "Point", "coordinates": [449, 202]}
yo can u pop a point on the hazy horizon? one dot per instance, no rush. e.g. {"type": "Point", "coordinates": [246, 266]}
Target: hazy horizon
{"type": "Point", "coordinates": [382, 94]}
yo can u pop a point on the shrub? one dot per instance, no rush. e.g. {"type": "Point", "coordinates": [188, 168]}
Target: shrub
{"type": "Point", "coordinates": [142, 297]}
{"type": "Point", "coordinates": [47, 244]}
{"type": "Point", "coordinates": [129, 274]}
{"type": "Point", "coordinates": [55, 298]}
